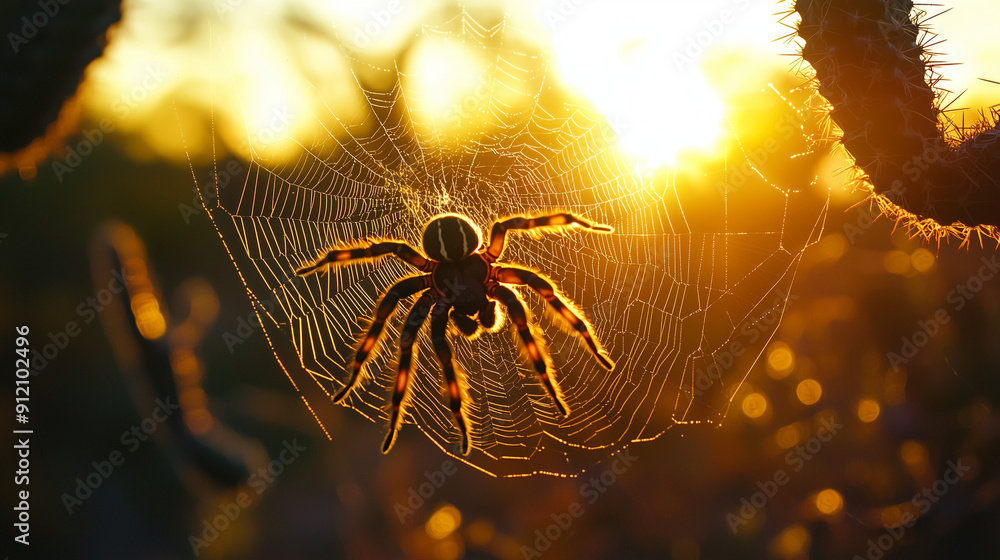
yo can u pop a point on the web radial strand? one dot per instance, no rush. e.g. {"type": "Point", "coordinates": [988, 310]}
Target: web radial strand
{"type": "Point", "coordinates": [685, 275]}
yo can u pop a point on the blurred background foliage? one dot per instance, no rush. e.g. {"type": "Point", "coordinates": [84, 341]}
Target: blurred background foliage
{"type": "Point", "coordinates": [859, 293]}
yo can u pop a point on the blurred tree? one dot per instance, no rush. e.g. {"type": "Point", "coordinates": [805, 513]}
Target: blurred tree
{"type": "Point", "coordinates": [50, 45]}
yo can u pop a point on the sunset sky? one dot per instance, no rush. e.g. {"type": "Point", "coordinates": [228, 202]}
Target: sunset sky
{"type": "Point", "coordinates": [641, 63]}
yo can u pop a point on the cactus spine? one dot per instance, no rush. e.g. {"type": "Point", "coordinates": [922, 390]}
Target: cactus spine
{"type": "Point", "coordinates": [872, 68]}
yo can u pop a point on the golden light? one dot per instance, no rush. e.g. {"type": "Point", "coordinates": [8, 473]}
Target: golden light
{"type": "Point", "coordinates": [791, 542]}
{"type": "Point", "coordinates": [809, 391]}
{"type": "Point", "coordinates": [891, 515]}
{"type": "Point", "coordinates": [480, 532]}
{"type": "Point", "coordinates": [148, 318]}
{"type": "Point", "coordinates": [754, 405]}
{"type": "Point", "coordinates": [832, 247]}
{"type": "Point", "coordinates": [897, 262]}
{"type": "Point", "coordinates": [638, 63]}
{"type": "Point", "coordinates": [443, 522]}
{"type": "Point", "coordinates": [446, 82]}
{"type": "Point", "coordinates": [780, 360]}
{"type": "Point", "coordinates": [913, 453]}
{"type": "Point", "coordinates": [964, 25]}
{"type": "Point", "coordinates": [829, 502]}
{"type": "Point", "coordinates": [374, 26]}
{"type": "Point", "coordinates": [447, 550]}
{"type": "Point", "coordinates": [867, 410]}
{"type": "Point", "coordinates": [923, 260]}
{"type": "Point", "coordinates": [788, 436]}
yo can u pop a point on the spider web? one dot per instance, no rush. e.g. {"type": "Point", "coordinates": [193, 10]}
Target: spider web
{"type": "Point", "coordinates": [684, 294]}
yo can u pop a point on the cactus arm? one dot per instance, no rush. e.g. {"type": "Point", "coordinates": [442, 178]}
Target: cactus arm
{"type": "Point", "coordinates": [871, 66]}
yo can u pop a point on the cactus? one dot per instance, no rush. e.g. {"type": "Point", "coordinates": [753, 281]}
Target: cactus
{"type": "Point", "coordinates": [48, 46]}
{"type": "Point", "coordinates": [871, 65]}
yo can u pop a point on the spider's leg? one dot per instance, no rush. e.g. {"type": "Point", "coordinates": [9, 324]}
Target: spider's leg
{"type": "Point", "coordinates": [402, 289]}
{"type": "Point", "coordinates": [547, 290]}
{"type": "Point", "coordinates": [519, 316]}
{"type": "Point", "coordinates": [467, 325]}
{"type": "Point", "coordinates": [439, 328]}
{"type": "Point", "coordinates": [488, 315]}
{"type": "Point", "coordinates": [498, 233]}
{"type": "Point", "coordinates": [345, 255]}
{"type": "Point", "coordinates": [406, 339]}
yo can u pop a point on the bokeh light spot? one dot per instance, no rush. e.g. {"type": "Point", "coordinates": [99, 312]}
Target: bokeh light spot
{"type": "Point", "coordinates": [913, 453]}
{"type": "Point", "coordinates": [788, 436]}
{"type": "Point", "coordinates": [148, 318]}
{"type": "Point", "coordinates": [868, 410]}
{"type": "Point", "coordinates": [897, 262]}
{"type": "Point", "coordinates": [809, 391]}
{"type": "Point", "coordinates": [480, 532]}
{"type": "Point", "coordinates": [443, 522]}
{"type": "Point", "coordinates": [792, 542]}
{"type": "Point", "coordinates": [833, 246]}
{"type": "Point", "coordinates": [754, 405]}
{"type": "Point", "coordinates": [923, 260]}
{"type": "Point", "coordinates": [447, 550]}
{"type": "Point", "coordinates": [780, 360]}
{"type": "Point", "coordinates": [829, 502]}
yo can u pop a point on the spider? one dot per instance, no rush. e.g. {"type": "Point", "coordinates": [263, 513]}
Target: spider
{"type": "Point", "coordinates": [461, 280]}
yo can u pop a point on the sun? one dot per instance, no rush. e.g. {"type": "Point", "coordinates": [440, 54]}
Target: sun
{"type": "Point", "coordinates": [639, 63]}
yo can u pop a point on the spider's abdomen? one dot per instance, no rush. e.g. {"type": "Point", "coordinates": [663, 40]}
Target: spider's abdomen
{"type": "Point", "coordinates": [450, 238]}
{"type": "Point", "coordinates": [463, 283]}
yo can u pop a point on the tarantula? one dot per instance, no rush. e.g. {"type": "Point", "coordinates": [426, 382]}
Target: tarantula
{"type": "Point", "coordinates": [461, 280]}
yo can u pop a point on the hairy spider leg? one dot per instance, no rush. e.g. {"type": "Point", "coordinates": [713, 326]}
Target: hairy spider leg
{"type": "Point", "coordinates": [498, 233]}
{"type": "Point", "coordinates": [466, 325]}
{"type": "Point", "coordinates": [487, 318]}
{"type": "Point", "coordinates": [402, 289]}
{"type": "Point", "coordinates": [544, 287]}
{"type": "Point", "coordinates": [341, 256]}
{"type": "Point", "coordinates": [415, 319]}
{"type": "Point", "coordinates": [488, 315]}
{"type": "Point", "coordinates": [439, 329]}
{"type": "Point", "coordinates": [518, 315]}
